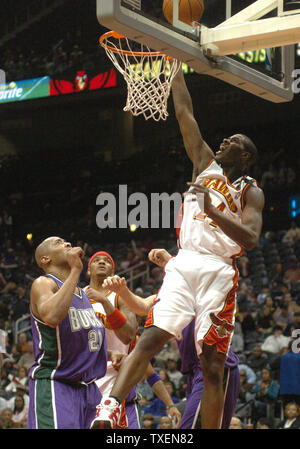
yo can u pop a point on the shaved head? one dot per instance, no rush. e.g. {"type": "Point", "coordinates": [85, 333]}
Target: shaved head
{"type": "Point", "coordinates": [250, 148]}
{"type": "Point", "coordinates": [42, 250]}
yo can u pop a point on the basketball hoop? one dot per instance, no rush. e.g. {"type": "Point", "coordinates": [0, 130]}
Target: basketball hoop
{"type": "Point", "coordinates": [148, 74]}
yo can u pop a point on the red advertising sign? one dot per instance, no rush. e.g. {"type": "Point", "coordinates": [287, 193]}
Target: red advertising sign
{"type": "Point", "coordinates": [82, 82]}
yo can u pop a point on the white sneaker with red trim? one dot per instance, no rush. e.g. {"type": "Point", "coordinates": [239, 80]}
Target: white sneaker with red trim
{"type": "Point", "coordinates": [107, 415]}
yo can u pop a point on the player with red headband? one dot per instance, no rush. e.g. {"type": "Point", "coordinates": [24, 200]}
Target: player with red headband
{"type": "Point", "coordinates": [120, 331]}
{"type": "Point", "coordinates": [119, 321]}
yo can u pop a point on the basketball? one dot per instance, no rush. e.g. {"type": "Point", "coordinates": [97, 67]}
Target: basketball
{"type": "Point", "coordinates": [189, 10]}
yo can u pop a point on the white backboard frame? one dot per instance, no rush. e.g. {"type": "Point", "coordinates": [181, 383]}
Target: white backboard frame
{"type": "Point", "coordinates": [192, 45]}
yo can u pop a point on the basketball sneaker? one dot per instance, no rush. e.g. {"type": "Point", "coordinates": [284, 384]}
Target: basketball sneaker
{"type": "Point", "coordinates": [107, 415]}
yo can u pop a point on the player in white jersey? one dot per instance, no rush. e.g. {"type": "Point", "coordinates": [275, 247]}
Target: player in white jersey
{"type": "Point", "coordinates": [222, 214]}
{"type": "Point", "coordinates": [120, 333]}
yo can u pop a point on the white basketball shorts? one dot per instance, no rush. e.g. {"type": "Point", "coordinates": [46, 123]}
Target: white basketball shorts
{"type": "Point", "coordinates": [200, 286]}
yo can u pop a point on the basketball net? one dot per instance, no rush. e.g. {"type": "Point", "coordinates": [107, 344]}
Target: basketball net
{"type": "Point", "coordinates": [148, 75]}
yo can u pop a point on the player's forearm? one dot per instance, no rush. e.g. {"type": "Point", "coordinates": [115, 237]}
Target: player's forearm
{"type": "Point", "coordinates": [137, 304]}
{"type": "Point", "coordinates": [127, 332]}
{"type": "Point", "coordinates": [161, 392]}
{"type": "Point", "coordinates": [181, 96]}
{"type": "Point", "coordinates": [240, 233]}
{"type": "Point", "coordinates": [55, 309]}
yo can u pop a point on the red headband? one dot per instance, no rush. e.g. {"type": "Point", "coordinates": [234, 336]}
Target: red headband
{"type": "Point", "coordinates": [102, 253]}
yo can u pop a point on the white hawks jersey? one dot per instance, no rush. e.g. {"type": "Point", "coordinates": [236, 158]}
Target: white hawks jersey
{"type": "Point", "coordinates": [198, 232]}
{"type": "Point", "coordinates": [113, 343]}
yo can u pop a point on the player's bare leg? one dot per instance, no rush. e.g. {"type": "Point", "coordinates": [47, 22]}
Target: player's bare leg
{"type": "Point", "coordinates": [212, 402]}
{"type": "Point", "coordinates": [131, 372]}
{"type": "Point", "coordinates": [134, 366]}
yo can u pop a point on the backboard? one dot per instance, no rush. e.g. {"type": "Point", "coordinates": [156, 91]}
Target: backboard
{"type": "Point", "coordinates": [242, 42]}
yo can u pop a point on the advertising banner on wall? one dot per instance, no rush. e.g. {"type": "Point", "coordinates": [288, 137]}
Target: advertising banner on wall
{"type": "Point", "coordinates": [24, 90]}
{"type": "Point", "coordinates": [80, 81]}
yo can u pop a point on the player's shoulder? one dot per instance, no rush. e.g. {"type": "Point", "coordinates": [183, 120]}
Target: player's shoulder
{"type": "Point", "coordinates": [206, 167]}
{"type": "Point", "coordinates": [255, 195]}
{"type": "Point", "coordinates": [43, 282]}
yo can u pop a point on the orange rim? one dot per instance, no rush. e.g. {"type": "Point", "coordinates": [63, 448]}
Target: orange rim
{"type": "Point", "coordinates": [115, 35]}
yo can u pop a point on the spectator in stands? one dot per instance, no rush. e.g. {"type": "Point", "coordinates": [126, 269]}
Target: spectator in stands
{"type": "Point", "coordinates": [274, 364]}
{"type": "Point", "coordinates": [144, 389]}
{"type": "Point", "coordinates": [174, 374]}
{"type": "Point", "coordinates": [245, 395]}
{"type": "Point", "coordinates": [265, 322]}
{"type": "Point", "coordinates": [292, 274]}
{"type": "Point", "coordinates": [258, 359]}
{"type": "Point", "coordinates": [236, 423]}
{"type": "Point", "coordinates": [245, 294]}
{"type": "Point", "coordinates": [270, 303]}
{"type": "Point", "coordinates": [289, 374]}
{"type": "Point", "coordinates": [243, 264]}
{"type": "Point", "coordinates": [292, 417]}
{"type": "Point", "coordinates": [266, 387]}
{"type": "Point", "coordinates": [163, 373]}
{"type": "Point", "coordinates": [22, 342]}
{"type": "Point", "coordinates": [156, 278]}
{"type": "Point", "coordinates": [237, 343]}
{"type": "Point", "coordinates": [157, 407]}
{"type": "Point", "coordinates": [27, 358]}
{"type": "Point", "coordinates": [181, 391]}
{"type": "Point", "coordinates": [290, 302]}
{"type": "Point", "coordinates": [173, 351]}
{"type": "Point", "coordinates": [276, 274]}
{"type": "Point", "coordinates": [144, 403]}
{"type": "Point", "coordinates": [15, 352]}
{"type": "Point", "coordinates": [273, 343]}
{"type": "Point", "coordinates": [21, 391]}
{"type": "Point", "coordinates": [293, 326]}
{"type": "Point", "coordinates": [250, 374]}
{"type": "Point", "coordinates": [165, 422]}
{"type": "Point", "coordinates": [3, 281]}
{"type": "Point", "coordinates": [22, 305]}
{"type": "Point", "coordinates": [3, 404]}
{"type": "Point", "coordinates": [148, 421]}
{"type": "Point", "coordinates": [4, 380]}
{"type": "Point", "coordinates": [20, 411]}
{"type": "Point", "coordinates": [263, 423]}
{"type": "Point", "coordinates": [283, 316]}
{"type": "Point", "coordinates": [9, 366]}
{"type": "Point", "coordinates": [128, 261]}
{"type": "Point", "coordinates": [247, 322]}
{"type": "Point", "coordinates": [6, 421]}
{"type": "Point", "coordinates": [293, 234]}
{"type": "Point", "coordinates": [165, 353]}
{"type": "Point", "coordinates": [261, 297]}
{"type": "Point", "coordinates": [269, 177]}
{"type": "Point", "coordinates": [20, 379]}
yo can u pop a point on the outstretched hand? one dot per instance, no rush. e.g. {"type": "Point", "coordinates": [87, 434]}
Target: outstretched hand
{"type": "Point", "coordinates": [74, 258]}
{"type": "Point", "coordinates": [95, 295]}
{"type": "Point", "coordinates": [159, 256]}
{"type": "Point", "coordinates": [117, 359]}
{"type": "Point", "coordinates": [114, 283]}
{"type": "Point", "coordinates": [175, 415]}
{"type": "Point", "coordinates": [198, 188]}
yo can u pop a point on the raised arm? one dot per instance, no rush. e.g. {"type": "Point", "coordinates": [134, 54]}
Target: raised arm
{"type": "Point", "coordinates": [50, 303]}
{"type": "Point", "coordinates": [197, 149]}
{"type": "Point", "coordinates": [140, 306]}
{"type": "Point", "coordinates": [126, 324]}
